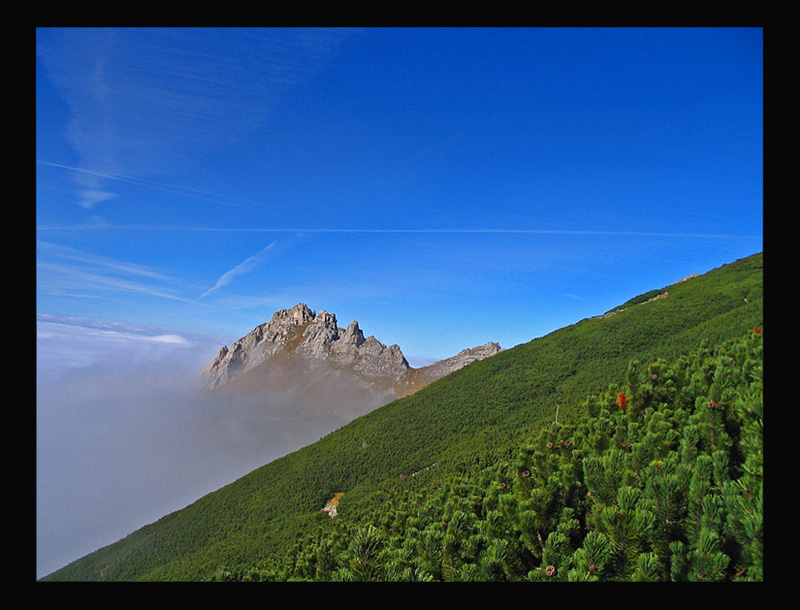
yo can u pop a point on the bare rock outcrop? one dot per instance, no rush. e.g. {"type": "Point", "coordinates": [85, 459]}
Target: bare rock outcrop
{"type": "Point", "coordinates": [299, 334]}
{"type": "Point", "coordinates": [417, 379]}
{"type": "Point", "coordinates": [310, 343]}
{"type": "Point", "coordinates": [460, 360]}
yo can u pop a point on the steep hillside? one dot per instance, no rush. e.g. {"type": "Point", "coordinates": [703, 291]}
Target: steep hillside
{"type": "Point", "coordinates": [660, 480]}
{"type": "Point", "coordinates": [470, 419]}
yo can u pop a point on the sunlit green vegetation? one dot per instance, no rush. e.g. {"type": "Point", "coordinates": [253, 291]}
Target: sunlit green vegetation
{"type": "Point", "coordinates": [524, 466]}
{"type": "Point", "coordinates": [661, 480]}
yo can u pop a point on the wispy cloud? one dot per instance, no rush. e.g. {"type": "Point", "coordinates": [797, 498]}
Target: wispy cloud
{"type": "Point", "coordinates": [303, 230]}
{"type": "Point", "coordinates": [93, 193]}
{"type": "Point", "coordinates": [69, 271]}
{"type": "Point", "coordinates": [150, 101]}
{"type": "Point", "coordinates": [92, 196]}
{"type": "Point", "coordinates": [240, 269]}
{"type": "Point", "coordinates": [80, 256]}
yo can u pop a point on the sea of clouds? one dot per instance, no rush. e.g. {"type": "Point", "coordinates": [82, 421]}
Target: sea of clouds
{"type": "Point", "coordinates": [124, 438]}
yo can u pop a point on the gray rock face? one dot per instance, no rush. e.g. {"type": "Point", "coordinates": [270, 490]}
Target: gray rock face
{"type": "Point", "coordinates": [299, 339]}
{"type": "Point", "coordinates": [460, 360]}
{"type": "Point", "coordinates": [299, 333]}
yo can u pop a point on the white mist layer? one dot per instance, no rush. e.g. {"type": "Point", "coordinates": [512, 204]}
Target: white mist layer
{"type": "Point", "coordinates": [123, 439]}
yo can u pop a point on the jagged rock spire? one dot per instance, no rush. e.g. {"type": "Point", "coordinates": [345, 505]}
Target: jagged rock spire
{"type": "Point", "coordinates": [301, 334]}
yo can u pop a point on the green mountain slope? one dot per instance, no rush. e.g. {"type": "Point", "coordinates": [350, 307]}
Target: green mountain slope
{"type": "Point", "coordinates": [465, 422]}
{"type": "Point", "coordinates": [660, 480]}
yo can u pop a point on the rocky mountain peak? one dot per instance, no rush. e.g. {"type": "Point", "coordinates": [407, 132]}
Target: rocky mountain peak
{"type": "Point", "coordinates": [353, 335]}
{"type": "Point", "coordinates": [300, 335]}
{"type": "Point", "coordinates": [299, 314]}
{"type": "Point", "coordinates": [419, 378]}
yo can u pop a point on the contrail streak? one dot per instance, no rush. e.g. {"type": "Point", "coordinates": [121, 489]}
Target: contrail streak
{"type": "Point", "coordinates": [240, 269]}
{"type": "Point", "coordinates": [169, 188]}
{"type": "Point", "coordinates": [445, 230]}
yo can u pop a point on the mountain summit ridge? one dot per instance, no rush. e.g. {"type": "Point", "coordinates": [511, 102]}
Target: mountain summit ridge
{"type": "Point", "coordinates": [300, 334]}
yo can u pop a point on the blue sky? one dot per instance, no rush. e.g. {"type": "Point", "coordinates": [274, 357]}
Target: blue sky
{"type": "Point", "coordinates": [444, 187]}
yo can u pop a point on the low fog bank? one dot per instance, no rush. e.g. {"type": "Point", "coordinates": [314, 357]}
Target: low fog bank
{"type": "Point", "coordinates": [124, 438]}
